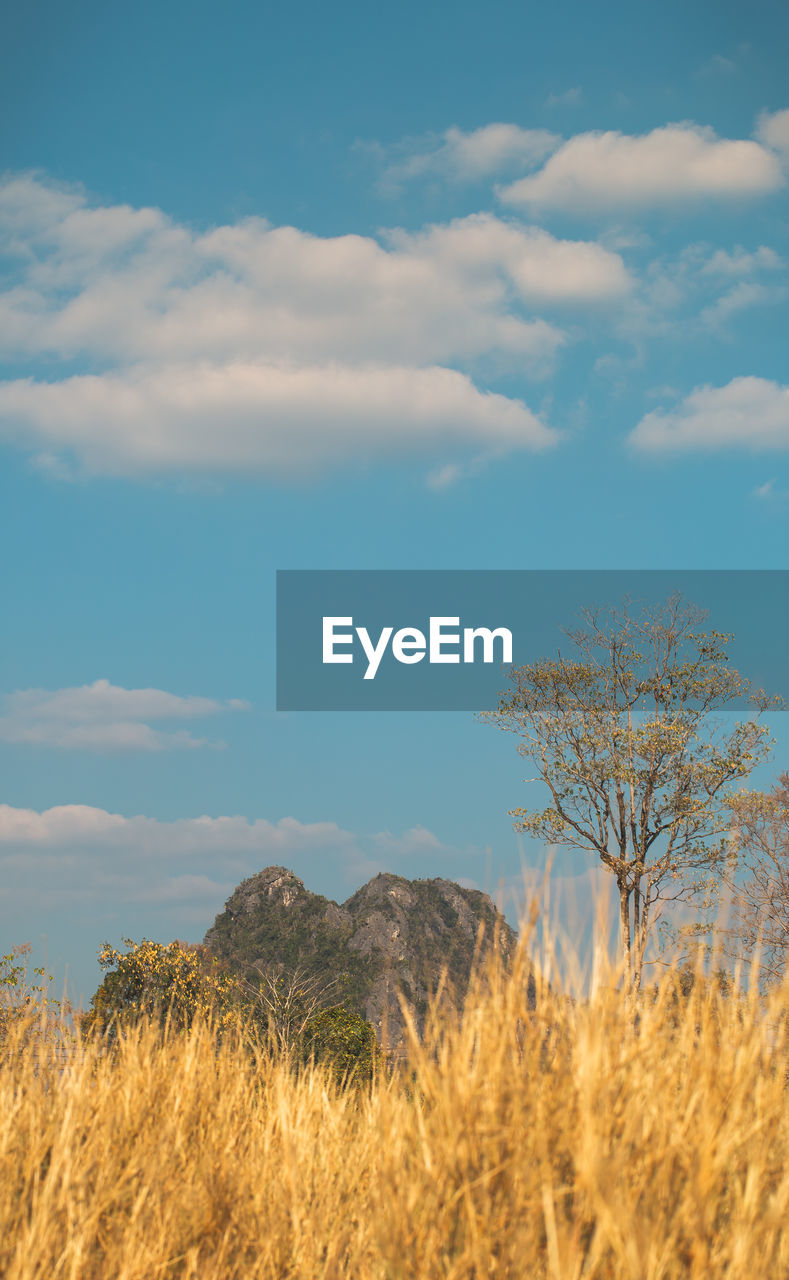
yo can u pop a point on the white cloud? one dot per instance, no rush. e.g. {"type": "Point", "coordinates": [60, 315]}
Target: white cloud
{"type": "Point", "coordinates": [749, 412]}
{"type": "Point", "coordinates": [83, 827]}
{"type": "Point", "coordinates": [258, 349]}
{"type": "Point", "coordinates": [671, 165]}
{"type": "Point", "coordinates": [104, 717]}
{"type": "Point", "coordinates": [266, 418]}
{"type": "Point", "coordinates": [29, 207]}
{"type": "Point", "coordinates": [251, 292]}
{"type": "Point", "coordinates": [539, 267]}
{"type": "Point", "coordinates": [244, 291]}
{"type": "Point", "coordinates": [467, 157]}
{"type": "Point", "coordinates": [773, 130]}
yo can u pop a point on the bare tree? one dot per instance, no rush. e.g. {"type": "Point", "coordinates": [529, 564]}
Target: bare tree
{"type": "Point", "coordinates": [286, 1000]}
{"type": "Point", "coordinates": [625, 739]}
{"type": "Point", "coordinates": [757, 879]}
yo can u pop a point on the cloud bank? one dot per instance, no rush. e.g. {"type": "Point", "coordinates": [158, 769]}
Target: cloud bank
{"type": "Point", "coordinates": [80, 852]}
{"type": "Point", "coordinates": [259, 348]}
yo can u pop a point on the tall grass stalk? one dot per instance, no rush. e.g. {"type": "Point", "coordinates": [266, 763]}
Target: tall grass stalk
{"type": "Point", "coordinates": [596, 1137]}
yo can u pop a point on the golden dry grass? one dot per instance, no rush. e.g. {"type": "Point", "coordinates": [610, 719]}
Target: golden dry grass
{"type": "Point", "coordinates": [577, 1141]}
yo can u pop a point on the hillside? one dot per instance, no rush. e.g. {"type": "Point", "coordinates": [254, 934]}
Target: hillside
{"type": "Point", "coordinates": [392, 934]}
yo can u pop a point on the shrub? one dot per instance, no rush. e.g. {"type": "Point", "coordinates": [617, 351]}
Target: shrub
{"type": "Point", "coordinates": [25, 1001]}
{"type": "Point", "coordinates": [343, 1040]}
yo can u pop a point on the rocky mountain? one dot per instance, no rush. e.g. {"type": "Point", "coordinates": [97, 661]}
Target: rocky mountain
{"type": "Point", "coordinates": [392, 935]}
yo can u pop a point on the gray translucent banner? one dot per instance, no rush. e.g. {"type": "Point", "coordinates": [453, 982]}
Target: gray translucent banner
{"type": "Point", "coordinates": [349, 640]}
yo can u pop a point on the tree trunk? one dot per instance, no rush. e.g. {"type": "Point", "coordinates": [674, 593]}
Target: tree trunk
{"type": "Point", "coordinates": [624, 916]}
{"type": "Point", "coordinates": [640, 940]}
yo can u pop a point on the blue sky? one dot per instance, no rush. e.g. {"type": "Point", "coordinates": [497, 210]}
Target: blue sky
{"type": "Point", "coordinates": [314, 287]}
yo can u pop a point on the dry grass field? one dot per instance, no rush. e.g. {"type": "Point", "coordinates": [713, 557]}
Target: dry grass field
{"type": "Point", "coordinates": [581, 1140]}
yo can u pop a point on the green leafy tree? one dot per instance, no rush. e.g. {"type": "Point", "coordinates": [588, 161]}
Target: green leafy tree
{"type": "Point", "coordinates": [170, 982]}
{"type": "Point", "coordinates": [343, 1040]}
{"type": "Point", "coordinates": [636, 763]}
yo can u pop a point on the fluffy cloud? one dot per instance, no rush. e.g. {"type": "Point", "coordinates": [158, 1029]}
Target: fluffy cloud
{"type": "Point", "coordinates": [259, 347]}
{"type": "Point", "coordinates": [671, 165]}
{"type": "Point", "coordinates": [467, 157]}
{"type": "Point", "coordinates": [272, 418]}
{"type": "Point", "coordinates": [105, 717]}
{"type": "Point", "coordinates": [119, 286]}
{"type": "Point", "coordinates": [540, 268]}
{"type": "Point", "coordinates": [751, 413]}
{"type": "Point", "coordinates": [773, 130]}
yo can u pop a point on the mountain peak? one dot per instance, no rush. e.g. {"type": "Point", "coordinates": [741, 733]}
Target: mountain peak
{"type": "Point", "coordinates": [391, 936]}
